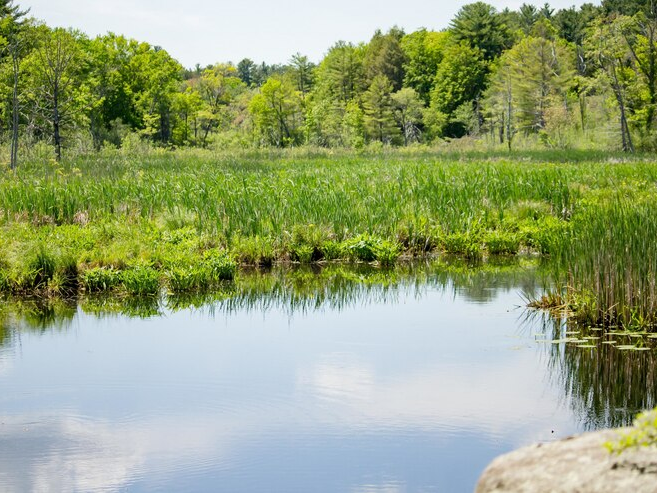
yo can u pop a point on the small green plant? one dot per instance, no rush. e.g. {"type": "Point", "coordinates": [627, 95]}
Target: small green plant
{"type": "Point", "coordinates": [100, 279]}
{"type": "Point", "coordinates": [220, 265]}
{"type": "Point", "coordinates": [40, 268]}
{"type": "Point", "coordinates": [141, 280]}
{"type": "Point", "coordinates": [332, 250]}
{"type": "Point", "coordinates": [254, 250]}
{"type": "Point", "coordinates": [302, 253]}
{"type": "Point", "coordinates": [642, 434]}
{"type": "Point", "coordinates": [502, 243]}
{"type": "Point", "coordinates": [184, 279]}
{"type": "Point", "coordinates": [5, 284]}
{"type": "Point", "coordinates": [464, 244]}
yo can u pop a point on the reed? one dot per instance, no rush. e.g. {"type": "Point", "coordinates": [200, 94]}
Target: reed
{"type": "Point", "coordinates": [607, 261]}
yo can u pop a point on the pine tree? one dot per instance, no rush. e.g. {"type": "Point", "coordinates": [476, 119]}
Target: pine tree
{"type": "Point", "coordinates": [378, 109]}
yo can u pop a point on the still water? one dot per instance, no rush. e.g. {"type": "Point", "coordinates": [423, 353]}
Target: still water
{"type": "Point", "coordinates": [344, 380]}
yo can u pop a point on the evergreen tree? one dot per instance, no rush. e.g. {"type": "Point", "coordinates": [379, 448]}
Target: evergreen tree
{"type": "Point", "coordinates": [384, 56]}
{"type": "Point", "coordinates": [480, 26]}
{"type": "Point", "coordinates": [378, 110]}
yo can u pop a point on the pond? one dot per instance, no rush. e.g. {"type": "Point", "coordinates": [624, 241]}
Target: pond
{"type": "Point", "coordinates": [334, 379]}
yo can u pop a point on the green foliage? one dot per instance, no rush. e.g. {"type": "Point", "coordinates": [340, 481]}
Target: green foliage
{"type": "Point", "coordinates": [40, 268]}
{"type": "Point", "coordinates": [424, 52]}
{"type": "Point", "coordinates": [100, 279]}
{"type": "Point", "coordinates": [481, 27]}
{"type": "Point", "coordinates": [396, 89]}
{"type": "Point", "coordinates": [367, 248]}
{"type": "Point", "coordinates": [276, 113]}
{"type": "Point", "coordinates": [460, 79]}
{"type": "Point", "coordinates": [467, 244]}
{"type": "Point", "coordinates": [642, 434]}
{"type": "Point", "coordinates": [340, 76]}
{"type": "Point", "coordinates": [385, 57]}
{"type": "Point", "coordinates": [141, 280]}
{"type": "Point", "coordinates": [609, 252]}
{"type": "Point", "coordinates": [378, 111]}
{"type": "Point", "coordinates": [502, 243]}
{"type": "Point", "coordinates": [254, 250]}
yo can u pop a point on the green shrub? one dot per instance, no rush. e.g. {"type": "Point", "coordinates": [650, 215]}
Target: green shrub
{"type": "Point", "coordinates": [220, 265]}
{"type": "Point", "coordinates": [254, 250]}
{"type": "Point", "coordinates": [332, 250]}
{"type": "Point", "coordinates": [502, 243]}
{"type": "Point", "coordinates": [40, 268]}
{"type": "Point", "coordinates": [100, 279]}
{"type": "Point", "coordinates": [186, 279]}
{"type": "Point", "coordinates": [303, 253]}
{"type": "Point", "coordinates": [216, 266]}
{"type": "Point", "coordinates": [369, 249]}
{"type": "Point", "coordinates": [141, 281]}
{"type": "Point", "coordinates": [464, 244]}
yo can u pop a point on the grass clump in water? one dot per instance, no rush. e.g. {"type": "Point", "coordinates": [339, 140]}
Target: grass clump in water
{"type": "Point", "coordinates": [608, 258]}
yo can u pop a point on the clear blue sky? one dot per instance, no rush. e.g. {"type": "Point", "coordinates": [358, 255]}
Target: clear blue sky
{"type": "Point", "coordinates": [209, 31]}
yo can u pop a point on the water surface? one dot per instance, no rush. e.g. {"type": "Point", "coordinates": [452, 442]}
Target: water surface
{"type": "Point", "coordinates": [337, 380]}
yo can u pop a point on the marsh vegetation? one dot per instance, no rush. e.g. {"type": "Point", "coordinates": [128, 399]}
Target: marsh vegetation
{"type": "Point", "coordinates": [186, 221]}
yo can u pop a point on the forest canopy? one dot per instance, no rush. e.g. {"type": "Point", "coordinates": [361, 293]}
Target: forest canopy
{"type": "Point", "coordinates": [578, 77]}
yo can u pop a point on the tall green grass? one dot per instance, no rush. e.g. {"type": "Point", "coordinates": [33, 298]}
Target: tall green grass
{"type": "Point", "coordinates": [125, 221]}
{"type": "Point", "coordinates": [607, 260]}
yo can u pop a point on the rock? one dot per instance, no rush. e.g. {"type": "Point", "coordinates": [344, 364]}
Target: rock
{"type": "Point", "coordinates": [578, 464]}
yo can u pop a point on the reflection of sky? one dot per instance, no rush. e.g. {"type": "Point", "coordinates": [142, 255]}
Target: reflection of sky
{"type": "Point", "coordinates": [419, 394]}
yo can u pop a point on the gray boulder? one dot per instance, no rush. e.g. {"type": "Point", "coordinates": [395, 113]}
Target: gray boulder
{"type": "Point", "coordinates": [579, 464]}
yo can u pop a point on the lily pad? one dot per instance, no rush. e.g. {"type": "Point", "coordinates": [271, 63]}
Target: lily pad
{"type": "Point", "coordinates": [587, 346]}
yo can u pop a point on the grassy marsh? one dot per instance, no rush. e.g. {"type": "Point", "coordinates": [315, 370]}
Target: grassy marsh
{"type": "Point", "coordinates": [186, 220]}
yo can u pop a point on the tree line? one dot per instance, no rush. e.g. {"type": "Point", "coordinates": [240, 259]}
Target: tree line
{"type": "Point", "coordinates": [553, 77]}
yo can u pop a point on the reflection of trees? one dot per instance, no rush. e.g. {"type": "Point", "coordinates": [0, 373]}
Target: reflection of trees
{"type": "Point", "coordinates": [606, 387]}
{"type": "Point", "coordinates": [295, 289]}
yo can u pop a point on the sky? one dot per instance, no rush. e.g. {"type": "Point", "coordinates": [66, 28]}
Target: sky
{"type": "Point", "coordinates": [211, 31]}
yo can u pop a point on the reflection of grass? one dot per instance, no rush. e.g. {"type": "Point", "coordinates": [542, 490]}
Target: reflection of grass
{"type": "Point", "coordinates": [295, 288]}
{"type": "Point", "coordinates": [605, 384]}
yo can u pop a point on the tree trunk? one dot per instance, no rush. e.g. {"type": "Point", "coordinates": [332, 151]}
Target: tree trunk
{"type": "Point", "coordinates": [625, 129]}
{"type": "Point", "coordinates": [55, 127]}
{"type": "Point", "coordinates": [14, 111]}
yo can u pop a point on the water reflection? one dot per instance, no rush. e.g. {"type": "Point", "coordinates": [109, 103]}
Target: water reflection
{"type": "Point", "coordinates": [347, 379]}
{"type": "Point", "coordinates": [294, 289]}
{"type": "Point", "coordinates": [606, 387]}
